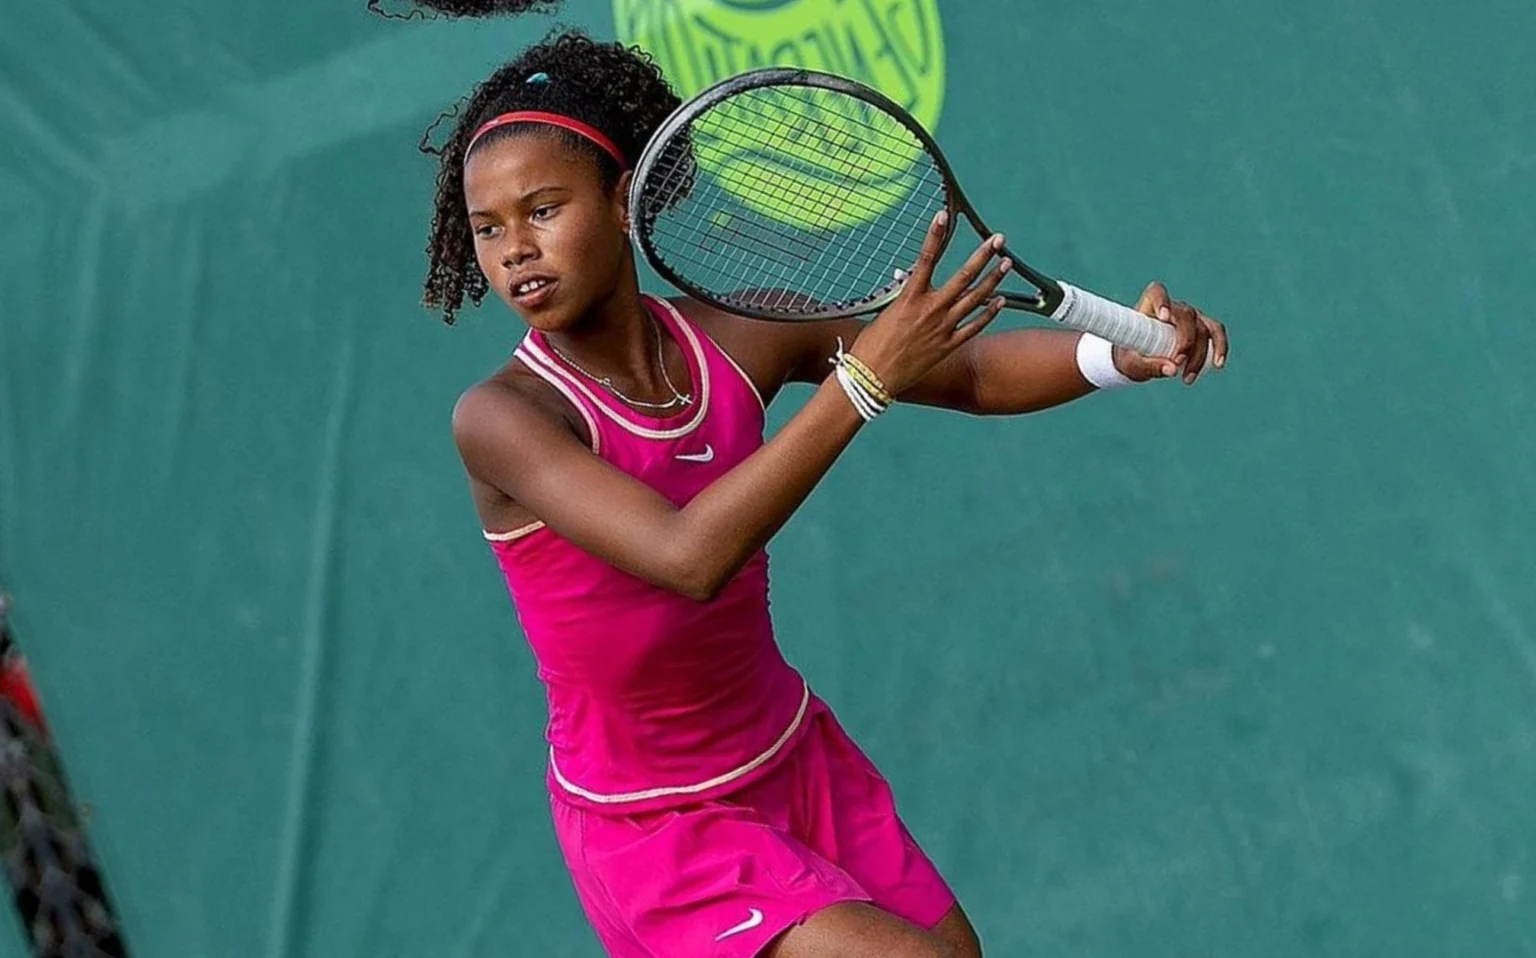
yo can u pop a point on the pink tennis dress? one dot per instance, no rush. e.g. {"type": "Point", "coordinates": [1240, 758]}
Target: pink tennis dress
{"type": "Point", "coordinates": [704, 799]}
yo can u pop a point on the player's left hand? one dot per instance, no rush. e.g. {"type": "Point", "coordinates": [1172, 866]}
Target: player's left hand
{"type": "Point", "coordinates": [1201, 338]}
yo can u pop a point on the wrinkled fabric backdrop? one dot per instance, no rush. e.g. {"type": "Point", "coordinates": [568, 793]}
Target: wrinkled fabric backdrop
{"type": "Point", "coordinates": [1248, 669]}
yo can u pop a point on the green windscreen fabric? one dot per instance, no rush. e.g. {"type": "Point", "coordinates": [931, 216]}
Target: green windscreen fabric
{"type": "Point", "coordinates": [1247, 669]}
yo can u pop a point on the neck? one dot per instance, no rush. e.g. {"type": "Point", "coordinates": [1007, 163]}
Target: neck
{"type": "Point", "coordinates": [617, 338]}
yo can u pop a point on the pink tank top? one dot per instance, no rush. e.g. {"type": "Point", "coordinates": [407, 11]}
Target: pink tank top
{"type": "Point", "coordinates": [654, 698]}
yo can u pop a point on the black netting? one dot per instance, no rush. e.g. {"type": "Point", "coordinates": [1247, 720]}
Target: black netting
{"type": "Point", "coordinates": [54, 880]}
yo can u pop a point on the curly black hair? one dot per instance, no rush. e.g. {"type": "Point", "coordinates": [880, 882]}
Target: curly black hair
{"type": "Point", "coordinates": [614, 88]}
{"type": "Point", "coordinates": [464, 8]}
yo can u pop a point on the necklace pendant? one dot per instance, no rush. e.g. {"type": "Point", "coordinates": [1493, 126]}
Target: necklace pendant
{"type": "Point", "coordinates": [684, 399]}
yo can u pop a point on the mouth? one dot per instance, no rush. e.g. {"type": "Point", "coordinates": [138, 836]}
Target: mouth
{"type": "Point", "coordinates": [534, 292]}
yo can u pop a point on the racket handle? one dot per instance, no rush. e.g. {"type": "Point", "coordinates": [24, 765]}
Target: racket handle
{"type": "Point", "coordinates": [1109, 320]}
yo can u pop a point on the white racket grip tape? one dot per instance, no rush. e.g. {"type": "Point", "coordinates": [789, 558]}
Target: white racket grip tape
{"type": "Point", "coordinates": [1105, 318]}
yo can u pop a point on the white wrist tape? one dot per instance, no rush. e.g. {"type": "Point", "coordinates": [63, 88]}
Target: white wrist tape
{"type": "Point", "coordinates": [1096, 361]}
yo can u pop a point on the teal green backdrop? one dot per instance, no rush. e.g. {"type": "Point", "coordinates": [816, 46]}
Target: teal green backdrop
{"type": "Point", "coordinates": [1246, 670]}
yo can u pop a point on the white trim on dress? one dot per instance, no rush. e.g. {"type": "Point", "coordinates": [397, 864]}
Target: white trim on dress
{"type": "Point", "coordinates": [718, 780]}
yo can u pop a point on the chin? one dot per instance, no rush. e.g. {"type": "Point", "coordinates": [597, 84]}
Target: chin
{"type": "Point", "coordinates": [549, 320]}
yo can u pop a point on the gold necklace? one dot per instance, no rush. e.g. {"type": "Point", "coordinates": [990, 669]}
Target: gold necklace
{"type": "Point", "coordinates": [678, 398]}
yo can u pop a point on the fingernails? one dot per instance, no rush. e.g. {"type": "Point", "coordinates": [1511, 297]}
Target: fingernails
{"type": "Point", "coordinates": [942, 219]}
{"type": "Point", "coordinates": [1221, 362]}
{"type": "Point", "coordinates": [997, 241]}
{"type": "Point", "coordinates": [901, 275]}
{"type": "Point", "coordinates": [1004, 266]}
{"type": "Point", "coordinates": [1169, 369]}
{"type": "Point", "coordinates": [1163, 313]}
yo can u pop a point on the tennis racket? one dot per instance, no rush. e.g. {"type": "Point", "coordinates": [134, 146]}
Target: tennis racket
{"type": "Point", "coordinates": [788, 194]}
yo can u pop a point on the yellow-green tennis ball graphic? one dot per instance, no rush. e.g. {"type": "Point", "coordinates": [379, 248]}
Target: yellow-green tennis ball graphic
{"type": "Point", "coordinates": [894, 46]}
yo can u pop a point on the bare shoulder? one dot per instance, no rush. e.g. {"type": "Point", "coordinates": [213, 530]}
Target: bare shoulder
{"type": "Point", "coordinates": [501, 426]}
{"type": "Point", "coordinates": [508, 406]}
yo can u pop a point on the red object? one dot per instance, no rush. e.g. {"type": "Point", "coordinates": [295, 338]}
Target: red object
{"type": "Point", "coordinates": [16, 685]}
{"type": "Point", "coordinates": [552, 119]}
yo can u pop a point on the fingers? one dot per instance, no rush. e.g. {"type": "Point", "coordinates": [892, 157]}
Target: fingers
{"type": "Point", "coordinates": [1218, 339]}
{"type": "Point", "coordinates": [1153, 300]}
{"type": "Point", "coordinates": [1140, 368]}
{"type": "Point", "coordinates": [979, 293]}
{"type": "Point", "coordinates": [928, 256]}
{"type": "Point", "coordinates": [1200, 340]}
{"type": "Point", "coordinates": [970, 269]}
{"type": "Point", "coordinates": [1198, 349]}
{"type": "Point", "coordinates": [967, 331]}
{"type": "Point", "coordinates": [1183, 323]}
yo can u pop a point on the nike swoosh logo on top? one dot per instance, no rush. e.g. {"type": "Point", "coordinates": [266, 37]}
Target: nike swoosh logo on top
{"type": "Point", "coordinates": [754, 919]}
{"type": "Point", "coordinates": [706, 456]}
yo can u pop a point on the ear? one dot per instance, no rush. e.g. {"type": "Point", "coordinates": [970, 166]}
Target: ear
{"type": "Point", "coordinates": [621, 196]}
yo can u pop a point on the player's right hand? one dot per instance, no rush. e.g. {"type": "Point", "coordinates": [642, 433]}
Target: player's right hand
{"type": "Point", "coordinates": [926, 324]}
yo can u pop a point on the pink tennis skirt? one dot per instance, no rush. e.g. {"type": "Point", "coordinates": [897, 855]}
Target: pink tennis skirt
{"type": "Point", "coordinates": [725, 877]}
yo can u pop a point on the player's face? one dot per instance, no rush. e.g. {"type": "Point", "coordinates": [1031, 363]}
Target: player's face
{"type": "Point", "coordinates": [551, 241]}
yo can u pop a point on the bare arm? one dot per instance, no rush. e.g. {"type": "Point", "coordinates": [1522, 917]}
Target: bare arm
{"type": "Point", "coordinates": [1006, 373]}
{"type": "Point", "coordinates": [1011, 372]}
{"type": "Point", "coordinates": [507, 442]}
{"type": "Point", "coordinates": [1003, 373]}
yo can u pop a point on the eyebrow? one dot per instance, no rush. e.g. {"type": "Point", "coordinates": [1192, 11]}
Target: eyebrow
{"type": "Point", "coordinates": [526, 198]}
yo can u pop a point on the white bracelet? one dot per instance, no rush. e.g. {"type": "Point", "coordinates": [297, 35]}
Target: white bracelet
{"type": "Point", "coordinates": [867, 406]}
{"type": "Point", "coordinates": [1096, 361]}
{"type": "Point", "coordinates": [865, 403]}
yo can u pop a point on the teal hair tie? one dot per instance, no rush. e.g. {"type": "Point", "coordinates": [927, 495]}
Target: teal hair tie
{"type": "Point", "coordinates": [540, 77]}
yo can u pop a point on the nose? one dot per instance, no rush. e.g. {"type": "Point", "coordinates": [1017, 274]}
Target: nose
{"type": "Point", "coordinates": [518, 249]}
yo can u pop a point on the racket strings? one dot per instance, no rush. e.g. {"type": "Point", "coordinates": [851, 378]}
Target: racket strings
{"type": "Point", "coordinates": [809, 108]}
{"type": "Point", "coordinates": [774, 186]}
{"type": "Point", "coordinates": [874, 197]}
{"type": "Point", "coordinates": [782, 197]}
{"type": "Point", "coordinates": [737, 239]}
{"type": "Point", "coordinates": [750, 233]}
{"type": "Point", "coordinates": [893, 244]}
{"type": "Point", "coordinates": [846, 195]}
{"type": "Point", "coordinates": [886, 148]}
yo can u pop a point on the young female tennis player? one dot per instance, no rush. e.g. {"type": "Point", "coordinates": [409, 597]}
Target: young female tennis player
{"type": "Point", "coordinates": [706, 801]}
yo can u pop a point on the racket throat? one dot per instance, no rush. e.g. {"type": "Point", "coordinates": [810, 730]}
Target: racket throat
{"type": "Point", "coordinates": [1038, 303]}
{"type": "Point", "coordinates": [1046, 299]}
{"type": "Point", "coordinates": [1049, 294]}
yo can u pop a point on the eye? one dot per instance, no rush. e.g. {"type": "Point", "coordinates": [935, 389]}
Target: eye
{"type": "Point", "coordinates": [485, 230]}
{"type": "Point", "coordinates": [544, 212]}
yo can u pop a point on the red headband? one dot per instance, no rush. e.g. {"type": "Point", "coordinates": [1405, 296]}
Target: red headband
{"type": "Point", "coordinates": [553, 119]}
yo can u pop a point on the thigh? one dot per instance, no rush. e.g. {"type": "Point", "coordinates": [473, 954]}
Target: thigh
{"type": "Point", "coordinates": [858, 930]}
{"type": "Point", "coordinates": [955, 928]}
